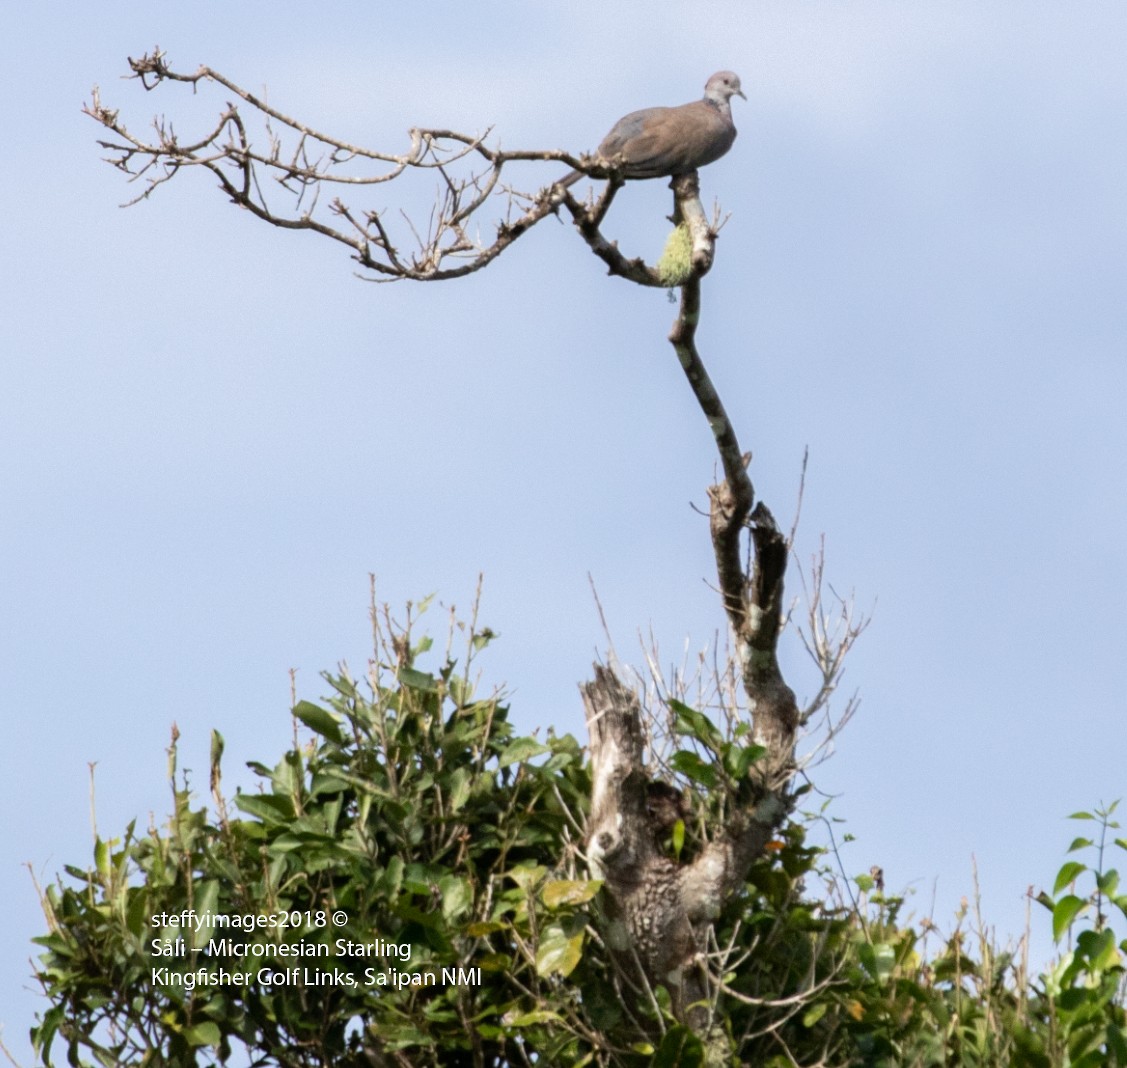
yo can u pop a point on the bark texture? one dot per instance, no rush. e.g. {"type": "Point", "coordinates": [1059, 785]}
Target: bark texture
{"type": "Point", "coordinates": [658, 910]}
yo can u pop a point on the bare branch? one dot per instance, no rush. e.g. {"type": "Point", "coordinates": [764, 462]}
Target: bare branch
{"type": "Point", "coordinates": [299, 159]}
{"type": "Point", "coordinates": [660, 908]}
{"type": "Point", "coordinates": [753, 602]}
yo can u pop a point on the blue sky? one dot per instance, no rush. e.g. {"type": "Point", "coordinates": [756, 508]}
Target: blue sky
{"type": "Point", "coordinates": [211, 432]}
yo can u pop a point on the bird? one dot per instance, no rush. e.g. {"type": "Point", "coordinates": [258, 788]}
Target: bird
{"type": "Point", "coordinates": [666, 142]}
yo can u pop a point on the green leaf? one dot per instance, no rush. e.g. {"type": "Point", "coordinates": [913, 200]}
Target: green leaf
{"type": "Point", "coordinates": [693, 724]}
{"type": "Point", "coordinates": [1067, 874]}
{"type": "Point", "coordinates": [527, 1019]}
{"type": "Point", "coordinates": [457, 895]}
{"type": "Point", "coordinates": [569, 891]}
{"type": "Point", "coordinates": [203, 1034]}
{"type": "Point", "coordinates": [738, 759]}
{"type": "Point", "coordinates": [270, 808]}
{"type": "Point", "coordinates": [1098, 948]}
{"type": "Point", "coordinates": [417, 680]}
{"type": "Point", "coordinates": [417, 878]}
{"type": "Point", "coordinates": [680, 1048]}
{"type": "Point", "coordinates": [814, 1014]}
{"type": "Point", "coordinates": [459, 789]}
{"type": "Point", "coordinates": [879, 959]}
{"type": "Point", "coordinates": [44, 1035]}
{"type": "Point", "coordinates": [137, 913]}
{"type": "Point", "coordinates": [1117, 1043]}
{"type": "Point", "coordinates": [517, 752]}
{"type": "Point", "coordinates": [206, 903]}
{"type": "Point", "coordinates": [319, 720]}
{"type": "Point", "coordinates": [558, 952]}
{"type": "Point", "coordinates": [393, 876]}
{"type": "Point", "coordinates": [526, 876]}
{"type": "Point", "coordinates": [483, 638]}
{"type": "Point", "coordinates": [460, 690]}
{"type": "Point", "coordinates": [693, 767]}
{"type": "Point", "coordinates": [102, 857]}
{"type": "Point", "coordinates": [678, 838]}
{"type": "Point", "coordinates": [1064, 912]}
{"type": "Point", "coordinates": [1080, 843]}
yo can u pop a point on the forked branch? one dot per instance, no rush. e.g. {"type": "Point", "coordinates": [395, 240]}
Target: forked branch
{"type": "Point", "coordinates": [663, 907]}
{"type": "Point", "coordinates": [277, 167]}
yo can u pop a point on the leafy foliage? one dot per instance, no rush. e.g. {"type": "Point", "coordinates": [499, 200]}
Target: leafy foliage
{"type": "Point", "coordinates": [416, 816]}
{"type": "Point", "coordinates": [435, 844]}
{"type": "Point", "coordinates": [977, 1006]}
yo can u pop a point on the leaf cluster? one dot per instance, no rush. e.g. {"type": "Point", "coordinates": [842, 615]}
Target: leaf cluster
{"type": "Point", "coordinates": [416, 822]}
{"type": "Point", "coordinates": [416, 817]}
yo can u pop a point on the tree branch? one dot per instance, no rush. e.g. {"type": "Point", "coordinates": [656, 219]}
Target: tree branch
{"type": "Point", "coordinates": [753, 603]}
{"type": "Point", "coordinates": [301, 160]}
{"type": "Point", "coordinates": [660, 910]}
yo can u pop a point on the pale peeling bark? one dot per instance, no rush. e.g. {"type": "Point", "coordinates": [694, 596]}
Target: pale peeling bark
{"type": "Point", "coordinates": [657, 910]}
{"type": "Point", "coordinates": [648, 926]}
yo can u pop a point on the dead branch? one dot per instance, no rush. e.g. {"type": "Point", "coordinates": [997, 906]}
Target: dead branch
{"type": "Point", "coordinates": [753, 602]}
{"type": "Point", "coordinates": [649, 931]}
{"type": "Point", "coordinates": [256, 152]}
{"type": "Point", "coordinates": [660, 911]}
